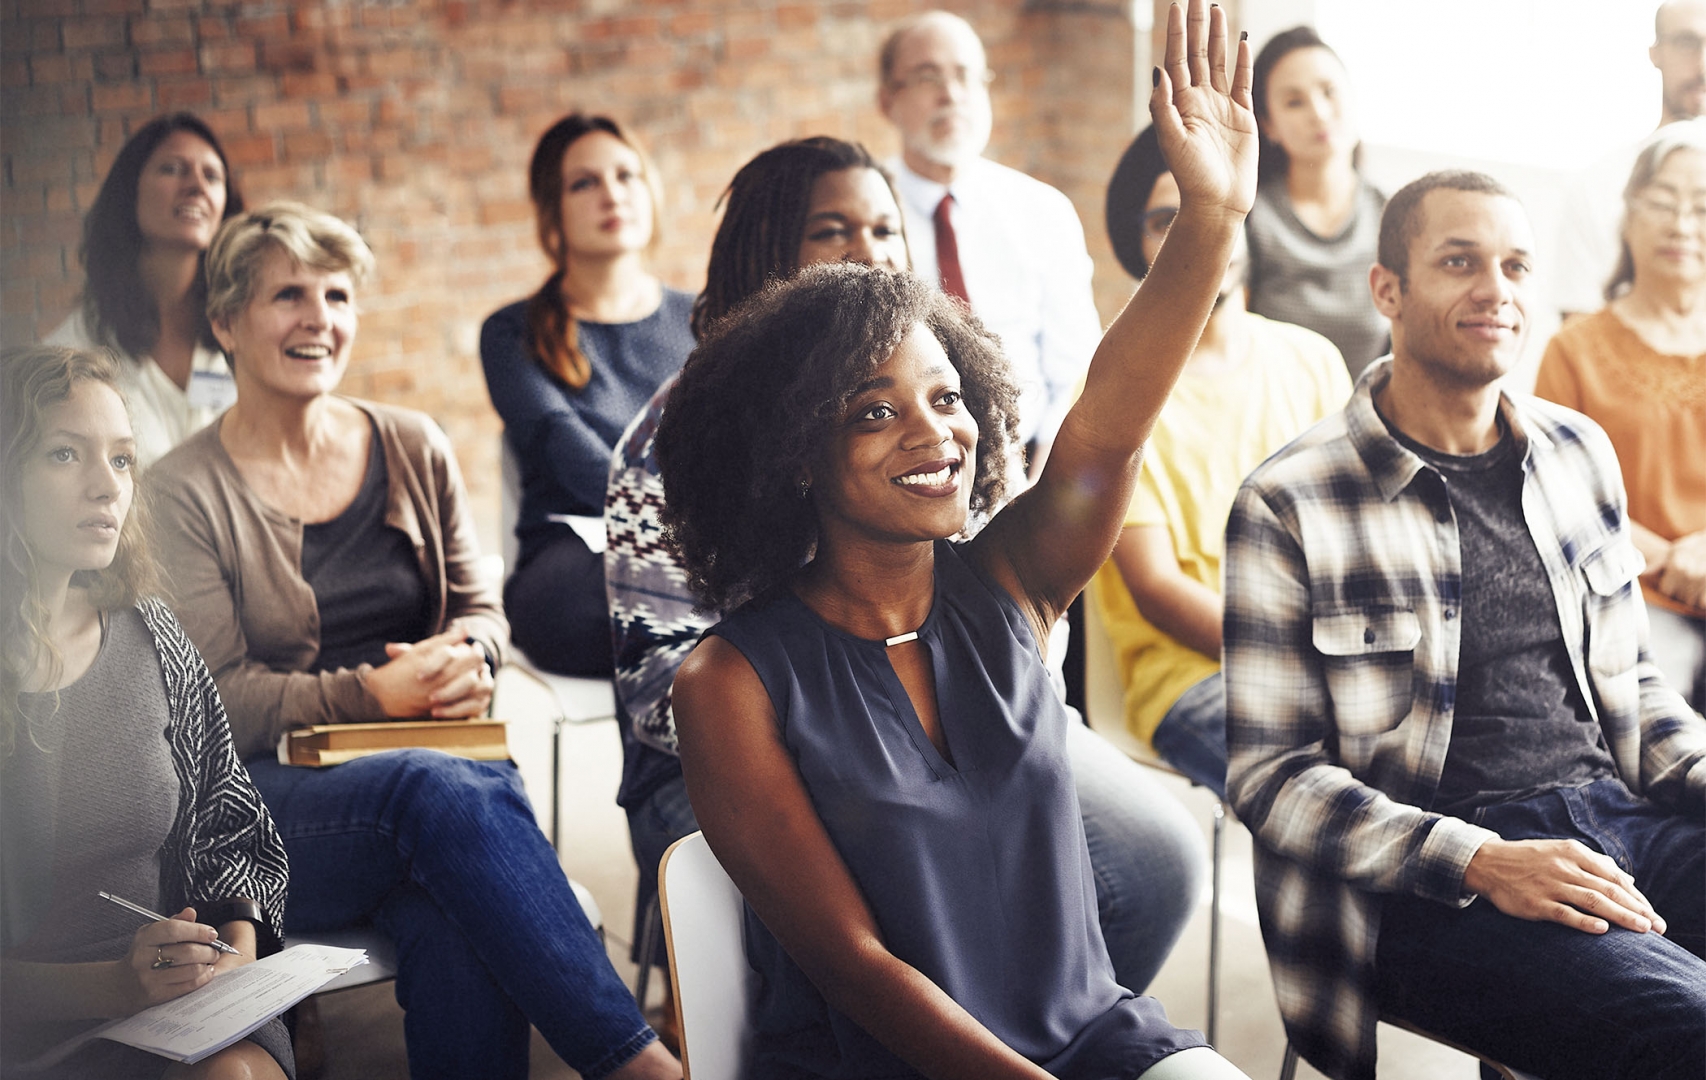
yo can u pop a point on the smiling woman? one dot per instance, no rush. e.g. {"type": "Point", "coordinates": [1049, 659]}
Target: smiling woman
{"type": "Point", "coordinates": [870, 740]}
{"type": "Point", "coordinates": [323, 561]}
{"type": "Point", "coordinates": [144, 243]}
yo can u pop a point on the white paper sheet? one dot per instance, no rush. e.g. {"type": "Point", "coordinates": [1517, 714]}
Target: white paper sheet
{"type": "Point", "coordinates": [207, 1020]}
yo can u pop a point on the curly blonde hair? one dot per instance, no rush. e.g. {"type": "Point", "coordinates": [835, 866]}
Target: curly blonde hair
{"type": "Point", "coordinates": [33, 380]}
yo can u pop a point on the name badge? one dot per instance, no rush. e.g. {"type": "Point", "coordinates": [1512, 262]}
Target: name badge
{"type": "Point", "coordinates": [215, 390]}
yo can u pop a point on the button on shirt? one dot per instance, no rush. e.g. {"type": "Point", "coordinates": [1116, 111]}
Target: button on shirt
{"type": "Point", "coordinates": [1027, 272]}
{"type": "Point", "coordinates": [1342, 637]}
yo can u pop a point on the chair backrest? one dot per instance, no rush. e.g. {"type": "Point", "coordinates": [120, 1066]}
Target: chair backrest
{"type": "Point", "coordinates": [715, 987]}
{"type": "Point", "coordinates": [1104, 691]}
{"type": "Point", "coordinates": [509, 503]}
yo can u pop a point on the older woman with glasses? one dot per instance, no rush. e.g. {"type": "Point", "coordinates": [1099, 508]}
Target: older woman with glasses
{"type": "Point", "coordinates": [324, 564]}
{"type": "Point", "coordinates": [1638, 368]}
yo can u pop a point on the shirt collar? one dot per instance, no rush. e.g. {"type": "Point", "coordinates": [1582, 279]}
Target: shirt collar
{"type": "Point", "coordinates": [1389, 462]}
{"type": "Point", "coordinates": [923, 194]}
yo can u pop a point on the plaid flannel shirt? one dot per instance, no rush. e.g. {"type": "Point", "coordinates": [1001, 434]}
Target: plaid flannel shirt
{"type": "Point", "coordinates": [1342, 630]}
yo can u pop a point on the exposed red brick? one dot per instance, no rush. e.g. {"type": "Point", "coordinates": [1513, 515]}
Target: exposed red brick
{"type": "Point", "coordinates": [128, 95]}
{"type": "Point", "coordinates": [233, 56]}
{"type": "Point", "coordinates": [167, 62]}
{"type": "Point", "coordinates": [91, 33]}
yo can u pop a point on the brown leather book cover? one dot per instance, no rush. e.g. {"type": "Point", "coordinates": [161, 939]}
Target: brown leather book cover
{"type": "Point", "coordinates": [334, 744]}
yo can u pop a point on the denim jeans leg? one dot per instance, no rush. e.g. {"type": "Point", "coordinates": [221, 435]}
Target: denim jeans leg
{"type": "Point", "coordinates": [664, 817]}
{"type": "Point", "coordinates": [1192, 736]}
{"type": "Point", "coordinates": [1146, 853]}
{"type": "Point", "coordinates": [463, 833]}
{"type": "Point", "coordinates": [448, 993]}
{"type": "Point", "coordinates": [1546, 998]}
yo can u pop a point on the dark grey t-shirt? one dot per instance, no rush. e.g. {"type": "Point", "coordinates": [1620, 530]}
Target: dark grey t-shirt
{"type": "Point", "coordinates": [366, 578]}
{"type": "Point", "coordinates": [88, 799]}
{"type": "Point", "coordinates": [1521, 726]}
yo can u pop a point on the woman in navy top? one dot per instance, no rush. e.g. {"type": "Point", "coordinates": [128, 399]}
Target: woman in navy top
{"type": "Point", "coordinates": [567, 369]}
{"type": "Point", "coordinates": [870, 743]}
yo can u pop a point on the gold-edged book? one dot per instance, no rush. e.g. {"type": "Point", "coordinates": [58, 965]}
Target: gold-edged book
{"type": "Point", "coordinates": [334, 744]}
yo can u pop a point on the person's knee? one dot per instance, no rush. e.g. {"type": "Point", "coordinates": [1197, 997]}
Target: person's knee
{"type": "Point", "coordinates": [432, 785]}
{"type": "Point", "coordinates": [244, 1061]}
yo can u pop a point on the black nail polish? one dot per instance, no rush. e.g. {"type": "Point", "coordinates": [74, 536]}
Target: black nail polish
{"type": "Point", "coordinates": [1243, 35]}
{"type": "Point", "coordinates": [1154, 76]}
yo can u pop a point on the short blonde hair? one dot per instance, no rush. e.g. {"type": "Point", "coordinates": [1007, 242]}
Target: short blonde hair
{"type": "Point", "coordinates": [310, 237]}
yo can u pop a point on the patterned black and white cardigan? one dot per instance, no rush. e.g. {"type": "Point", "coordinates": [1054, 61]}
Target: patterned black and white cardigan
{"type": "Point", "coordinates": [223, 842]}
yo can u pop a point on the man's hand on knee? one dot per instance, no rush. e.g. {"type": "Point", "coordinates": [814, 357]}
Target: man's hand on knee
{"type": "Point", "coordinates": [1561, 881]}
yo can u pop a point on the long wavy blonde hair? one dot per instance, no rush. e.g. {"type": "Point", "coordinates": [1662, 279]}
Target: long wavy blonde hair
{"type": "Point", "coordinates": [33, 380]}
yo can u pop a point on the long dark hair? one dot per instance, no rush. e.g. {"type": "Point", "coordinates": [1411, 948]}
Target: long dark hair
{"type": "Point", "coordinates": [555, 336]}
{"type": "Point", "coordinates": [1273, 161]}
{"type": "Point", "coordinates": [116, 304]}
{"type": "Point", "coordinates": [764, 218]}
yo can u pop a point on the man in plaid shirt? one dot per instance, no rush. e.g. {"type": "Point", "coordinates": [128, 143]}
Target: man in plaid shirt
{"type": "Point", "coordinates": [1477, 806]}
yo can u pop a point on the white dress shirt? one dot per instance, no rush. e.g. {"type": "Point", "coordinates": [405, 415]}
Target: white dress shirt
{"type": "Point", "coordinates": [162, 414]}
{"type": "Point", "coordinates": [1026, 271]}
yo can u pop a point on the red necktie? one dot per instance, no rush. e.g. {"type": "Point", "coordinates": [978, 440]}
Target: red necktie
{"type": "Point", "coordinates": [948, 251]}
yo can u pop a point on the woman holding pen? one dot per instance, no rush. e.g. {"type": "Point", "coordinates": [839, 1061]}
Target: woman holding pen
{"type": "Point", "coordinates": [118, 770]}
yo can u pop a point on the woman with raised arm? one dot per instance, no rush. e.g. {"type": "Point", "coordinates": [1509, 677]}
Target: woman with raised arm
{"type": "Point", "coordinates": [145, 242]}
{"type": "Point", "coordinates": [802, 203]}
{"type": "Point", "coordinates": [1638, 368]}
{"type": "Point", "coordinates": [117, 771]}
{"type": "Point", "coordinates": [1314, 225]}
{"type": "Point", "coordinates": [870, 741]}
{"type": "Point", "coordinates": [322, 559]}
{"type": "Point", "coordinates": [567, 369]}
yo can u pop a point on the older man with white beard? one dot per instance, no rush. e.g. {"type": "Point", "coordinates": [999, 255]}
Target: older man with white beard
{"type": "Point", "coordinates": [1009, 245]}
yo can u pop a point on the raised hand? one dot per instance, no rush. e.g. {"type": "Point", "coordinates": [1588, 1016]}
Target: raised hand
{"type": "Point", "coordinates": [1205, 123]}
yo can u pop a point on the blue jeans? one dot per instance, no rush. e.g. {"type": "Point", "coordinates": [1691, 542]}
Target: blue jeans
{"type": "Point", "coordinates": [1146, 852]}
{"type": "Point", "coordinates": [1192, 736]}
{"type": "Point", "coordinates": [1550, 999]}
{"type": "Point", "coordinates": [443, 855]}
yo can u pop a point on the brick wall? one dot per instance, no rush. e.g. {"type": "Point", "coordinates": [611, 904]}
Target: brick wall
{"type": "Point", "coordinates": [415, 121]}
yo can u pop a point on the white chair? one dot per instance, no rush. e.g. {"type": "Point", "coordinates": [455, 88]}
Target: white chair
{"type": "Point", "coordinates": [578, 700]}
{"type": "Point", "coordinates": [1104, 704]}
{"type": "Point", "coordinates": [715, 987]}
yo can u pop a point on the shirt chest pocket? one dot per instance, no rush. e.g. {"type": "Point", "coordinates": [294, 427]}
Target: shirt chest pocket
{"type": "Point", "coordinates": [1368, 661]}
{"type": "Point", "coordinates": [1611, 608]}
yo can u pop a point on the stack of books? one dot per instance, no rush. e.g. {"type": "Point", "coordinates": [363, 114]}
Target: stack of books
{"type": "Point", "coordinates": [334, 744]}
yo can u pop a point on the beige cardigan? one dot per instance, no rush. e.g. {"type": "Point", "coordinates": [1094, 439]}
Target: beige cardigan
{"type": "Point", "coordinates": [234, 573]}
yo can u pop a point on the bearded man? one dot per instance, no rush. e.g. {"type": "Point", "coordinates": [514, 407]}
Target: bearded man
{"type": "Point", "coordinates": [1009, 245]}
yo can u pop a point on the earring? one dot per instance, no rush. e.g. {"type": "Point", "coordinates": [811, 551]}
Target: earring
{"type": "Point", "coordinates": [805, 488]}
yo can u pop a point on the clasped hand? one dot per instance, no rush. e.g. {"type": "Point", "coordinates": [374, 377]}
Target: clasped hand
{"type": "Point", "coordinates": [1682, 575]}
{"type": "Point", "coordinates": [1562, 881]}
{"type": "Point", "coordinates": [444, 676]}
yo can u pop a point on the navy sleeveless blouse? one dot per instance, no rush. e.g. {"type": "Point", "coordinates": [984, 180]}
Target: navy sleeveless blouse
{"type": "Point", "coordinates": [977, 871]}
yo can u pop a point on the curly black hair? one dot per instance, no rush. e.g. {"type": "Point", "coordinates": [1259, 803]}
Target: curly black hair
{"type": "Point", "coordinates": [757, 401]}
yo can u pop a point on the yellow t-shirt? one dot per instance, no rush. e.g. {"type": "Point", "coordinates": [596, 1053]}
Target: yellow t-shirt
{"type": "Point", "coordinates": [1214, 430]}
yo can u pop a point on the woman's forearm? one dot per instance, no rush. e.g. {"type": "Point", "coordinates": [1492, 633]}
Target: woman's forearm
{"type": "Point", "coordinates": [40, 993]}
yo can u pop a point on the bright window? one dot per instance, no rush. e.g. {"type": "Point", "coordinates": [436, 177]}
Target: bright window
{"type": "Point", "coordinates": [1553, 84]}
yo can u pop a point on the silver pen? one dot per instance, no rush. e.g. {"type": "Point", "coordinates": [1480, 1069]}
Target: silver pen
{"type": "Point", "coordinates": [157, 917]}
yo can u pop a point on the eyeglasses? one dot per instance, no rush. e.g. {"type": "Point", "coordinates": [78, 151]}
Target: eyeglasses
{"type": "Point", "coordinates": [1664, 211]}
{"type": "Point", "coordinates": [1156, 222]}
{"type": "Point", "coordinates": [934, 78]}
